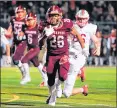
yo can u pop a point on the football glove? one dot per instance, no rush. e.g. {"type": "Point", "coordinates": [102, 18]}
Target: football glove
{"type": "Point", "coordinates": [48, 31]}
{"type": "Point", "coordinates": [8, 60]}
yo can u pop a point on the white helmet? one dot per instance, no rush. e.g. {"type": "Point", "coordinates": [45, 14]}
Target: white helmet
{"type": "Point", "coordinates": [82, 17]}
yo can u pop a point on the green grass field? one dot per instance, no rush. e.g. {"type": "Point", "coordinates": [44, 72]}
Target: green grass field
{"type": "Point", "coordinates": [101, 82]}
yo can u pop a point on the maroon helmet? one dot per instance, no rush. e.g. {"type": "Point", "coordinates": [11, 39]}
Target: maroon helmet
{"type": "Point", "coordinates": [31, 15]}
{"type": "Point", "coordinates": [31, 19]}
{"type": "Point", "coordinates": [52, 12]}
{"type": "Point", "coordinates": [20, 12]}
{"type": "Point", "coordinates": [19, 8]}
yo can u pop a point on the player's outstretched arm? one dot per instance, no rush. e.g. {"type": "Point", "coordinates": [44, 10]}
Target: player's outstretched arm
{"type": "Point", "coordinates": [97, 44]}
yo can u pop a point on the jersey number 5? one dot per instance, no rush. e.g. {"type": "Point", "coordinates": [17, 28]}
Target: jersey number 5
{"type": "Point", "coordinates": [17, 29]}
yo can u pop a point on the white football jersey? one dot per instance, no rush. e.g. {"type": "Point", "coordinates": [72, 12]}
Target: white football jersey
{"type": "Point", "coordinates": [2, 36]}
{"type": "Point", "coordinates": [87, 32]}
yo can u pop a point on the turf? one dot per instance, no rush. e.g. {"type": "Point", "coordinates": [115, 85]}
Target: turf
{"type": "Point", "coordinates": [101, 82]}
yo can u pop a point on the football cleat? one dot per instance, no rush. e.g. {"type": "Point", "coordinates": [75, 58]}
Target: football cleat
{"type": "Point", "coordinates": [42, 84]}
{"type": "Point", "coordinates": [85, 88]}
{"type": "Point", "coordinates": [47, 101]}
{"type": "Point", "coordinates": [25, 81]}
{"type": "Point", "coordinates": [50, 103]}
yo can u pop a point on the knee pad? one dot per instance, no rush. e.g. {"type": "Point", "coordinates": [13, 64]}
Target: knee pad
{"type": "Point", "coordinates": [61, 79]}
{"type": "Point", "coordinates": [51, 83]}
{"type": "Point", "coordinates": [36, 65]}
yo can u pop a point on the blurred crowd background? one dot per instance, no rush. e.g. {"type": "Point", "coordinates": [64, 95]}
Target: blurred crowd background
{"type": "Point", "coordinates": [102, 13]}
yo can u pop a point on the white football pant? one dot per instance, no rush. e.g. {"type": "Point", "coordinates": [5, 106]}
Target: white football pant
{"type": "Point", "coordinates": [76, 63]}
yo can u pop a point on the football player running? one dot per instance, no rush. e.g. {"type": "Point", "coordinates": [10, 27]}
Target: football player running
{"type": "Point", "coordinates": [32, 34]}
{"type": "Point", "coordinates": [57, 48]}
{"type": "Point", "coordinates": [19, 44]}
{"type": "Point", "coordinates": [76, 58]}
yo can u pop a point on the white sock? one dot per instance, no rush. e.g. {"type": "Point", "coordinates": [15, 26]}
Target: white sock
{"type": "Point", "coordinates": [44, 75]}
{"type": "Point", "coordinates": [26, 69]}
{"type": "Point", "coordinates": [52, 91]}
{"type": "Point", "coordinates": [58, 83]}
{"type": "Point", "coordinates": [58, 87]}
{"type": "Point", "coordinates": [20, 66]}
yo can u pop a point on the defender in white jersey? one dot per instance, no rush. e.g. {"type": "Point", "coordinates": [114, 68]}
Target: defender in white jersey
{"type": "Point", "coordinates": [76, 57]}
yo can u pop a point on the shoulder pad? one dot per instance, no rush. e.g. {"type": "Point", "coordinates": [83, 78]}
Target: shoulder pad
{"type": "Point", "coordinates": [68, 23]}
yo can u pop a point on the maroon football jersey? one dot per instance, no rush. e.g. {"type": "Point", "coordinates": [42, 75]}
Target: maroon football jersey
{"type": "Point", "coordinates": [57, 43]}
{"type": "Point", "coordinates": [16, 27]}
{"type": "Point", "coordinates": [32, 37]}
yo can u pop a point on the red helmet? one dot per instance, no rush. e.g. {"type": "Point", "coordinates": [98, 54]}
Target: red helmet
{"type": "Point", "coordinates": [54, 10]}
{"type": "Point", "coordinates": [31, 15]}
{"type": "Point", "coordinates": [19, 9]}
{"type": "Point", "coordinates": [20, 12]}
{"type": "Point", "coordinates": [31, 19]}
{"type": "Point", "coordinates": [82, 17]}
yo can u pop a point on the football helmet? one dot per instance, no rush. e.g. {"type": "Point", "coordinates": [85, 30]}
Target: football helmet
{"type": "Point", "coordinates": [82, 17]}
{"type": "Point", "coordinates": [31, 19]}
{"type": "Point", "coordinates": [20, 12]}
{"type": "Point", "coordinates": [54, 15]}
